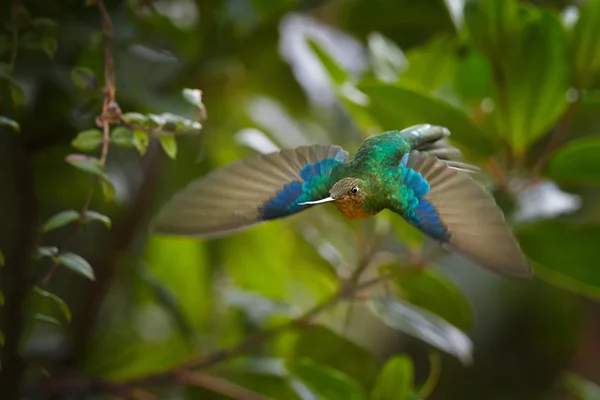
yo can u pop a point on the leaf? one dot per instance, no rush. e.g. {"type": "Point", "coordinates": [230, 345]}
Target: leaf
{"type": "Point", "coordinates": [584, 44]}
{"type": "Point", "coordinates": [47, 251]}
{"type": "Point", "coordinates": [44, 23]}
{"type": "Point", "coordinates": [337, 74]}
{"type": "Point", "coordinates": [122, 136]}
{"type": "Point", "coordinates": [76, 264]}
{"type": "Point", "coordinates": [575, 270]}
{"type": "Point", "coordinates": [395, 381]}
{"type": "Point", "coordinates": [84, 78]}
{"type": "Point", "coordinates": [576, 162]}
{"type": "Point", "coordinates": [193, 96]}
{"type": "Point", "coordinates": [61, 219]}
{"type": "Point", "coordinates": [579, 387]}
{"type": "Point", "coordinates": [87, 140]}
{"type": "Point", "coordinates": [537, 80]}
{"type": "Point", "coordinates": [87, 164]}
{"type": "Point", "coordinates": [96, 216]}
{"type": "Point", "coordinates": [31, 41]}
{"type": "Point", "coordinates": [327, 348]}
{"type": "Point", "coordinates": [13, 124]}
{"type": "Point", "coordinates": [402, 106]}
{"type": "Point", "coordinates": [49, 45]}
{"type": "Point", "coordinates": [434, 292]}
{"type": "Point", "coordinates": [423, 325]}
{"type": "Point", "coordinates": [141, 141]}
{"type": "Point", "coordinates": [387, 60]}
{"type": "Point", "coordinates": [135, 118]}
{"type": "Point", "coordinates": [17, 95]}
{"type": "Point", "coordinates": [46, 318]}
{"type": "Point", "coordinates": [108, 188]}
{"type": "Point", "coordinates": [327, 382]}
{"type": "Point", "coordinates": [169, 145]}
{"type": "Point", "coordinates": [60, 303]}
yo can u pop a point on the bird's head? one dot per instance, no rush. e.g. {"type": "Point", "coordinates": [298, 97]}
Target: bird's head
{"type": "Point", "coordinates": [349, 195]}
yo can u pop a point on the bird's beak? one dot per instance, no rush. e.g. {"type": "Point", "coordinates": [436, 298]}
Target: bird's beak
{"type": "Point", "coordinates": [325, 200]}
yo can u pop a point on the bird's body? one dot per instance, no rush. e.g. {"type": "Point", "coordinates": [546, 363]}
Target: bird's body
{"type": "Point", "coordinates": [412, 172]}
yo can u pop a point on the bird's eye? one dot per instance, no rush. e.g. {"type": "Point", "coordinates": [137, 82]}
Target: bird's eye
{"type": "Point", "coordinates": [354, 190]}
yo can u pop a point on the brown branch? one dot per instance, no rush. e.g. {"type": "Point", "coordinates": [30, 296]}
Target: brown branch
{"type": "Point", "coordinates": [217, 385]}
{"type": "Point", "coordinates": [497, 172]}
{"type": "Point", "coordinates": [111, 114]}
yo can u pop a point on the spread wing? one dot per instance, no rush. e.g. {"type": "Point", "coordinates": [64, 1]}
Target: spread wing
{"type": "Point", "coordinates": [250, 191]}
{"type": "Point", "coordinates": [451, 207]}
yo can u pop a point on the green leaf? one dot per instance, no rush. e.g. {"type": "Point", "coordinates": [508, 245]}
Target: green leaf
{"type": "Point", "coordinates": [17, 95]}
{"type": "Point", "coordinates": [327, 348]}
{"type": "Point", "coordinates": [545, 243]}
{"type": "Point", "coordinates": [135, 118]}
{"type": "Point", "coordinates": [122, 136]}
{"type": "Point", "coordinates": [399, 106]}
{"type": "Point", "coordinates": [576, 162]}
{"type": "Point", "coordinates": [49, 45]}
{"type": "Point", "coordinates": [46, 318]}
{"type": "Point", "coordinates": [337, 74]}
{"type": "Point", "coordinates": [423, 325]}
{"type": "Point", "coordinates": [537, 80]}
{"type": "Point", "coordinates": [387, 60]}
{"type": "Point", "coordinates": [584, 44]}
{"type": "Point", "coordinates": [61, 219]}
{"type": "Point", "coordinates": [96, 216]}
{"type": "Point", "coordinates": [44, 23]}
{"type": "Point", "coordinates": [434, 292]}
{"type": "Point", "coordinates": [579, 387]}
{"type": "Point", "coordinates": [327, 382]}
{"type": "Point", "coordinates": [395, 381]}
{"type": "Point", "coordinates": [47, 251]}
{"type": "Point", "coordinates": [87, 140]}
{"type": "Point", "coordinates": [90, 165]}
{"type": "Point", "coordinates": [60, 303]}
{"type": "Point", "coordinates": [193, 96]}
{"type": "Point", "coordinates": [76, 264]}
{"type": "Point", "coordinates": [108, 188]}
{"type": "Point", "coordinates": [13, 124]}
{"type": "Point", "coordinates": [84, 78]}
{"type": "Point", "coordinates": [141, 141]}
{"type": "Point", "coordinates": [169, 145]}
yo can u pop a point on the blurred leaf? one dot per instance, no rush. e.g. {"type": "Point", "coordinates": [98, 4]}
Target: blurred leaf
{"type": "Point", "coordinates": [84, 78]}
{"type": "Point", "coordinates": [584, 44]}
{"type": "Point", "coordinates": [579, 387]}
{"type": "Point", "coordinates": [576, 162]}
{"type": "Point", "coordinates": [141, 141]}
{"type": "Point", "coordinates": [49, 46]}
{"type": "Point", "coordinates": [395, 381]}
{"type": "Point", "coordinates": [387, 59]}
{"type": "Point", "coordinates": [96, 216]}
{"type": "Point", "coordinates": [122, 136]}
{"type": "Point", "coordinates": [396, 106]}
{"type": "Point", "coordinates": [169, 145]}
{"type": "Point", "coordinates": [473, 77]}
{"type": "Point", "coordinates": [87, 140]}
{"type": "Point", "coordinates": [537, 79]}
{"type": "Point", "coordinates": [193, 96]}
{"type": "Point", "coordinates": [47, 251]}
{"type": "Point", "coordinates": [493, 25]}
{"type": "Point", "coordinates": [327, 348]}
{"type": "Point", "coordinates": [31, 41]}
{"type": "Point", "coordinates": [434, 292]}
{"type": "Point", "coordinates": [10, 122]}
{"type": "Point", "coordinates": [545, 243]}
{"type": "Point", "coordinates": [423, 325]}
{"type": "Point", "coordinates": [42, 22]}
{"type": "Point", "coordinates": [60, 303]}
{"type": "Point", "coordinates": [258, 308]}
{"type": "Point", "coordinates": [327, 382]}
{"type": "Point", "coordinates": [108, 188]}
{"type": "Point", "coordinates": [269, 385]}
{"type": "Point", "coordinates": [17, 95]}
{"type": "Point", "coordinates": [135, 118]}
{"type": "Point", "coordinates": [76, 264]}
{"type": "Point", "coordinates": [431, 66]}
{"type": "Point", "coordinates": [61, 219]}
{"type": "Point", "coordinates": [88, 164]}
{"type": "Point", "coordinates": [337, 74]}
{"type": "Point", "coordinates": [46, 318]}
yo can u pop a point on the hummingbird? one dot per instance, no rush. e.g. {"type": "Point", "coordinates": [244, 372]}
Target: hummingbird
{"type": "Point", "coordinates": [413, 172]}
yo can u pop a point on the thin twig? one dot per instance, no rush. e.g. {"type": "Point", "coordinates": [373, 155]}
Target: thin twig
{"type": "Point", "coordinates": [111, 114]}
{"type": "Point", "coordinates": [217, 385]}
{"type": "Point", "coordinates": [496, 170]}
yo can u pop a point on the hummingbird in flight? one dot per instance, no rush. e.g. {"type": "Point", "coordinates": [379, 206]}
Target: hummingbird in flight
{"type": "Point", "coordinates": [413, 172]}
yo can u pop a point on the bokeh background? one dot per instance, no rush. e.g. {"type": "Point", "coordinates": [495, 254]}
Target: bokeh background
{"type": "Point", "coordinates": [93, 306]}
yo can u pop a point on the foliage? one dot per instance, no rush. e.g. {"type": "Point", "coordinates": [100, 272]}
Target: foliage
{"type": "Point", "coordinates": [103, 100]}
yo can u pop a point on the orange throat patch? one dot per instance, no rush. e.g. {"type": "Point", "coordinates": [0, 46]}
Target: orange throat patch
{"type": "Point", "coordinates": [352, 208]}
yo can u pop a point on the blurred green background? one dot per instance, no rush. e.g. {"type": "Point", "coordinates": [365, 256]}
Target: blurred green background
{"type": "Point", "coordinates": [122, 311]}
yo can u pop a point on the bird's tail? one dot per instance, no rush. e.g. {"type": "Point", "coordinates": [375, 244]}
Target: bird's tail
{"type": "Point", "coordinates": [433, 140]}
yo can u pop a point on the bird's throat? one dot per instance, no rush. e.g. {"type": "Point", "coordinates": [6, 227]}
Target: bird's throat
{"type": "Point", "coordinates": [352, 208]}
